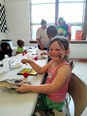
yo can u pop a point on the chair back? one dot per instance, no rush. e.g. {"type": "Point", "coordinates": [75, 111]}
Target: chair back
{"type": "Point", "coordinates": [78, 91]}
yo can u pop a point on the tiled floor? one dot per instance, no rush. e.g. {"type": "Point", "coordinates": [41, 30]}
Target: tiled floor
{"type": "Point", "coordinates": [80, 69]}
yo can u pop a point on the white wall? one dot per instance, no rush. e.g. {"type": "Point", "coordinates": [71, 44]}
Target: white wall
{"type": "Point", "coordinates": [17, 13]}
{"type": "Point", "coordinates": [78, 50]}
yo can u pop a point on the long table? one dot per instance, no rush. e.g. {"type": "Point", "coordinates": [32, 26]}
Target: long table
{"type": "Point", "coordinates": [19, 104]}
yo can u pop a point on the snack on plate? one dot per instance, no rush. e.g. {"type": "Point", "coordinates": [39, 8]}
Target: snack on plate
{"type": "Point", "coordinates": [27, 70]}
{"type": "Point", "coordinates": [33, 72]}
{"type": "Point", "coordinates": [26, 74]}
{"type": "Point", "coordinates": [24, 70]}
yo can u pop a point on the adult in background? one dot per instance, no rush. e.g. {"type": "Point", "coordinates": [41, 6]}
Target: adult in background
{"type": "Point", "coordinates": [64, 29]}
{"type": "Point", "coordinates": [41, 35]}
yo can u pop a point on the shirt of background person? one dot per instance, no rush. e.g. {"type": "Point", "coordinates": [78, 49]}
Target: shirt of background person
{"type": "Point", "coordinates": [20, 46]}
{"type": "Point", "coordinates": [41, 35]}
{"type": "Point", "coordinates": [19, 49]}
{"type": "Point", "coordinates": [64, 29]}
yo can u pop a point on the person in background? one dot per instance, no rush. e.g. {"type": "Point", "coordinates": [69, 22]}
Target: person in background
{"type": "Point", "coordinates": [5, 50]}
{"type": "Point", "coordinates": [53, 92]}
{"type": "Point", "coordinates": [41, 35]}
{"type": "Point", "coordinates": [51, 32]}
{"type": "Point", "coordinates": [20, 46]}
{"type": "Point", "coordinates": [64, 29]}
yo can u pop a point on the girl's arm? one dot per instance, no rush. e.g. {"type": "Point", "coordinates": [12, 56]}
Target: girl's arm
{"type": "Point", "coordinates": [35, 66]}
{"type": "Point", "coordinates": [62, 74]}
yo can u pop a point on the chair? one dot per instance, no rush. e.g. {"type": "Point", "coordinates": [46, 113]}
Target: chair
{"type": "Point", "coordinates": [78, 91]}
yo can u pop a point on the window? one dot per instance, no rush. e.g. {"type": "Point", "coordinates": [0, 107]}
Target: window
{"type": "Point", "coordinates": [40, 10]}
{"type": "Point", "coordinates": [73, 11]}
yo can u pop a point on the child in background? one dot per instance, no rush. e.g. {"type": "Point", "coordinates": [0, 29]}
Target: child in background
{"type": "Point", "coordinates": [20, 47]}
{"type": "Point", "coordinates": [51, 32]}
{"type": "Point", "coordinates": [53, 92]}
{"type": "Point", "coordinates": [64, 29]}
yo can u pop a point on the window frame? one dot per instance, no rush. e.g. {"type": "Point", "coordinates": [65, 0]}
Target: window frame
{"type": "Point", "coordinates": [84, 37]}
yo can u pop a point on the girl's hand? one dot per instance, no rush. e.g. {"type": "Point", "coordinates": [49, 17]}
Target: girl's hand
{"type": "Point", "coordinates": [24, 61]}
{"type": "Point", "coordinates": [23, 88]}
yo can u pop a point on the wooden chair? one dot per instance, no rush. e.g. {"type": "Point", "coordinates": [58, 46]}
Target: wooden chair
{"type": "Point", "coordinates": [78, 91]}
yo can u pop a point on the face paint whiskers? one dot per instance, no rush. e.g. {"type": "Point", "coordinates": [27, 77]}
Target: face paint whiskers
{"type": "Point", "coordinates": [59, 56]}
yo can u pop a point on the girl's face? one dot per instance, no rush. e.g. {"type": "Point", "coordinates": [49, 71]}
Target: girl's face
{"type": "Point", "coordinates": [56, 52]}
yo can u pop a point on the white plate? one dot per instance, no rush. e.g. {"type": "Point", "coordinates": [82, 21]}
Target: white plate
{"type": "Point", "coordinates": [18, 65]}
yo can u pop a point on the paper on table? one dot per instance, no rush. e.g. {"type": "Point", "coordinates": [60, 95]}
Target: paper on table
{"type": "Point", "coordinates": [8, 85]}
{"type": "Point", "coordinates": [13, 83]}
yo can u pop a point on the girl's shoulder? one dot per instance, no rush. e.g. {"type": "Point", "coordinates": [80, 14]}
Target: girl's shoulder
{"type": "Point", "coordinates": [60, 65]}
{"type": "Point", "coordinates": [64, 65]}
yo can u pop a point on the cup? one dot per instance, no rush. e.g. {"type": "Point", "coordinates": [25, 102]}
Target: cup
{"type": "Point", "coordinates": [38, 52]}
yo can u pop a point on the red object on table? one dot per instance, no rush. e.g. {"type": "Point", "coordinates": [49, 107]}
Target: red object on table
{"type": "Point", "coordinates": [35, 58]}
{"type": "Point", "coordinates": [25, 52]}
{"type": "Point", "coordinates": [26, 74]}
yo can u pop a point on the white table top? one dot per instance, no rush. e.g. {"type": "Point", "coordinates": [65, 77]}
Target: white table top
{"type": "Point", "coordinates": [17, 104]}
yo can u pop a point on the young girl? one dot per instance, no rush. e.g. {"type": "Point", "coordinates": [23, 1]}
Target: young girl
{"type": "Point", "coordinates": [20, 47]}
{"type": "Point", "coordinates": [59, 72]}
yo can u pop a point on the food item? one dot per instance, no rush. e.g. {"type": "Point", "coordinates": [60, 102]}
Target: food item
{"type": "Point", "coordinates": [33, 72]}
{"type": "Point", "coordinates": [24, 70]}
{"type": "Point", "coordinates": [27, 71]}
{"type": "Point", "coordinates": [26, 74]}
{"type": "Point", "coordinates": [35, 58]}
